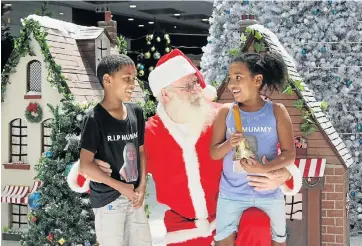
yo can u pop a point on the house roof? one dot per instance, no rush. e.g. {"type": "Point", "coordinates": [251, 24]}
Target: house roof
{"type": "Point", "coordinates": [307, 95]}
{"type": "Point", "coordinates": [80, 77]}
{"type": "Point", "coordinates": [62, 40]}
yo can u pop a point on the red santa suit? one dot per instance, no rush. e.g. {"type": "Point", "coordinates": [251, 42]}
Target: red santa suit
{"type": "Point", "coordinates": [186, 178]}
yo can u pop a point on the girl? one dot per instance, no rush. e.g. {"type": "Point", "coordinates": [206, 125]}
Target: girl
{"type": "Point", "coordinates": [264, 124]}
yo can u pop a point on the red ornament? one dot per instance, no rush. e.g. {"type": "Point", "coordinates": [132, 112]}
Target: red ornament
{"type": "Point", "coordinates": [34, 219]}
{"type": "Point", "coordinates": [50, 237]}
{"type": "Point", "coordinates": [32, 107]}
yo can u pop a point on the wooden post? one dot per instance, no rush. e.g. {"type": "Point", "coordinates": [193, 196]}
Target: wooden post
{"type": "Point", "coordinates": [10, 213]}
{"type": "Point", "coordinates": [314, 217]}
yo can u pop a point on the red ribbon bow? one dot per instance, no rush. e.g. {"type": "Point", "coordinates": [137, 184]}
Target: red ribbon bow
{"type": "Point", "coordinates": [33, 107]}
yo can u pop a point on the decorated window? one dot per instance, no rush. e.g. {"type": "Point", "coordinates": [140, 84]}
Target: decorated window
{"type": "Point", "coordinates": [34, 76]}
{"type": "Point", "coordinates": [18, 216]}
{"type": "Point", "coordinates": [300, 142]}
{"type": "Point", "coordinates": [18, 141]}
{"type": "Point", "coordinates": [300, 146]}
{"type": "Point", "coordinates": [46, 132]}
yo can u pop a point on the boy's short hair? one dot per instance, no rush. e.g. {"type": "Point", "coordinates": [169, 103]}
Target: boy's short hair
{"type": "Point", "coordinates": [111, 64]}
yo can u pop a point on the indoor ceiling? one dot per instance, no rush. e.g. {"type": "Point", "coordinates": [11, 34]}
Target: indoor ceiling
{"type": "Point", "coordinates": [183, 13]}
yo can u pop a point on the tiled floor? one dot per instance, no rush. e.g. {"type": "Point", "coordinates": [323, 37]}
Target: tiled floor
{"type": "Point", "coordinates": [157, 227]}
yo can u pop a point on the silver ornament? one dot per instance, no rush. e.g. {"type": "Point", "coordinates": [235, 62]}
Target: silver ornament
{"type": "Point", "coordinates": [156, 55]}
{"type": "Point", "coordinates": [79, 117]}
{"type": "Point", "coordinates": [360, 216]}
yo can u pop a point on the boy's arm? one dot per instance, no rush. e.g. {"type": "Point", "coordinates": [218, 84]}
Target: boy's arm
{"type": "Point", "coordinates": [141, 189]}
{"type": "Point", "coordinates": [141, 131]}
{"type": "Point", "coordinates": [142, 172]}
{"type": "Point", "coordinates": [89, 168]}
{"type": "Point", "coordinates": [286, 139]}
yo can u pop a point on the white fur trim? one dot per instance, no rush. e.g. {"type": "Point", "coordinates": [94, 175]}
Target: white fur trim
{"type": "Point", "coordinates": [73, 182]}
{"type": "Point", "coordinates": [187, 144]}
{"type": "Point", "coordinates": [168, 72]}
{"type": "Point", "coordinates": [297, 181]}
{"type": "Point", "coordinates": [209, 93]}
{"type": "Point", "coordinates": [185, 235]}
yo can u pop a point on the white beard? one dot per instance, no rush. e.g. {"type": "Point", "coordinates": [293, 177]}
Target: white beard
{"type": "Point", "coordinates": [196, 113]}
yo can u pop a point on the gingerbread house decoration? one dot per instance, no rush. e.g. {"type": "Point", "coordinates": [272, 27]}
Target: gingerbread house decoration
{"type": "Point", "coordinates": [317, 215]}
{"type": "Point", "coordinates": [76, 50]}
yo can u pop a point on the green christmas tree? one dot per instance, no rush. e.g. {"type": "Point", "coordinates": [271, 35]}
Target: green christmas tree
{"type": "Point", "coordinates": [60, 216]}
{"type": "Point", "coordinates": [44, 10]}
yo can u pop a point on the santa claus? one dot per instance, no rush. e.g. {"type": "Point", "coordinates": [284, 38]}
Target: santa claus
{"type": "Point", "coordinates": [177, 146]}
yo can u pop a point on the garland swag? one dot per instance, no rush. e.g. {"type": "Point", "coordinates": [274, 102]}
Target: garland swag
{"type": "Point", "coordinates": [22, 48]}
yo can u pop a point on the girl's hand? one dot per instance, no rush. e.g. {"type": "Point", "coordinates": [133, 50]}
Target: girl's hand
{"type": "Point", "coordinates": [235, 139]}
{"type": "Point", "coordinates": [251, 165]}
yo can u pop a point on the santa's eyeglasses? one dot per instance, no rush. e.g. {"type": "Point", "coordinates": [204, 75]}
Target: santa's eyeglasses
{"type": "Point", "coordinates": [189, 86]}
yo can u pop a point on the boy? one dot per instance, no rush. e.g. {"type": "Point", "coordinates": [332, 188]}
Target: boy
{"type": "Point", "coordinates": [112, 125]}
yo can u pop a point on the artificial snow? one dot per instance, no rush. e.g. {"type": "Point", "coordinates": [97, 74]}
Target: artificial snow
{"type": "Point", "coordinates": [68, 29]}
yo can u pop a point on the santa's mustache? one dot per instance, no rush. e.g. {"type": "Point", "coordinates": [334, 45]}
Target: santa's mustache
{"type": "Point", "coordinates": [195, 111]}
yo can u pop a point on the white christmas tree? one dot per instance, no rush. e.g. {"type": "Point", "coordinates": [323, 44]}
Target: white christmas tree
{"type": "Point", "coordinates": [325, 39]}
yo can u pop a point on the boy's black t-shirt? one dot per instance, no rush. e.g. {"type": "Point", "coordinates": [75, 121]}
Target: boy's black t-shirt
{"type": "Point", "coordinates": [116, 142]}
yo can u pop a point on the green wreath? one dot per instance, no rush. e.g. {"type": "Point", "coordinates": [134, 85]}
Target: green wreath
{"type": "Point", "coordinates": [34, 113]}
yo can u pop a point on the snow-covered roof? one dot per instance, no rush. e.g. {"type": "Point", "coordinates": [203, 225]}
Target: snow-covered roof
{"type": "Point", "coordinates": [68, 29]}
{"type": "Point", "coordinates": [62, 39]}
{"type": "Point", "coordinates": [67, 47]}
{"type": "Point", "coordinates": [307, 95]}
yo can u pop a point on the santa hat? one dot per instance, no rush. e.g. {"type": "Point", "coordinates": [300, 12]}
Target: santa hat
{"type": "Point", "coordinates": [172, 67]}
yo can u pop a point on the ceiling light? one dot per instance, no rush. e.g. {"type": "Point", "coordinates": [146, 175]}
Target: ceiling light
{"type": "Point", "coordinates": [175, 27]}
{"type": "Point", "coordinates": [205, 19]}
{"type": "Point", "coordinates": [132, 6]}
{"type": "Point", "coordinates": [150, 22]}
{"type": "Point", "coordinates": [130, 19]}
{"type": "Point", "coordinates": [61, 13]}
{"type": "Point", "coordinates": [176, 14]}
{"type": "Point", "coordinates": [140, 25]}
